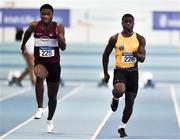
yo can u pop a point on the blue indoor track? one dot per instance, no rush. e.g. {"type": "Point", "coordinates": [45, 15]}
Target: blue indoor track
{"type": "Point", "coordinates": [83, 109]}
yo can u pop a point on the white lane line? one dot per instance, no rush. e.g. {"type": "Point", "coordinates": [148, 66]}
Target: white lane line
{"type": "Point", "coordinates": [101, 125]}
{"type": "Point", "coordinates": [67, 95]}
{"type": "Point", "coordinates": [175, 101]}
{"type": "Point", "coordinates": [15, 94]}
{"type": "Point", "coordinates": [17, 127]}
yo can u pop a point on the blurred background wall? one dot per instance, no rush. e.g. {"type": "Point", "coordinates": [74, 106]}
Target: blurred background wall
{"type": "Point", "coordinates": [88, 26]}
{"type": "Point", "coordinates": [94, 21]}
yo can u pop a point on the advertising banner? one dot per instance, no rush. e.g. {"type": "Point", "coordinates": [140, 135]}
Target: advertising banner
{"type": "Point", "coordinates": [166, 20]}
{"type": "Point", "coordinates": [22, 17]}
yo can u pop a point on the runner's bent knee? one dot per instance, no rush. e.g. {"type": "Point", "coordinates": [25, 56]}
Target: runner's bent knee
{"type": "Point", "coordinates": [118, 90]}
{"type": "Point", "coordinates": [40, 71]}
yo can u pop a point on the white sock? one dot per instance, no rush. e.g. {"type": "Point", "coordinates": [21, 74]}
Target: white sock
{"type": "Point", "coordinates": [116, 98]}
{"type": "Point", "coordinates": [122, 125]}
{"type": "Point", "coordinates": [50, 121]}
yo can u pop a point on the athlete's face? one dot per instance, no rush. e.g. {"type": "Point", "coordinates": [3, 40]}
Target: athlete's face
{"type": "Point", "coordinates": [128, 24]}
{"type": "Point", "coordinates": [46, 15]}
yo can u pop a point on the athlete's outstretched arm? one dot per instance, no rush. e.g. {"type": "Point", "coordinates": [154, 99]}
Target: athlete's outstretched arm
{"type": "Point", "coordinates": [106, 54]}
{"type": "Point", "coordinates": [27, 35]}
{"type": "Point", "coordinates": [60, 36]}
{"type": "Point", "coordinates": [141, 53]}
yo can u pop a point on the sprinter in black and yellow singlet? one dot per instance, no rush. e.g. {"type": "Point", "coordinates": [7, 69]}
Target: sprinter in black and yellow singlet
{"type": "Point", "coordinates": [129, 50]}
{"type": "Point", "coordinates": [49, 39]}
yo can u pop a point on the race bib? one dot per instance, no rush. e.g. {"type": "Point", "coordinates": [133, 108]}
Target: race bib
{"type": "Point", "coordinates": [46, 52]}
{"type": "Point", "coordinates": [128, 58]}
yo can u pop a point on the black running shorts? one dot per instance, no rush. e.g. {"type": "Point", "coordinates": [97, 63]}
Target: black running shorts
{"type": "Point", "coordinates": [54, 71]}
{"type": "Point", "coordinates": [129, 78]}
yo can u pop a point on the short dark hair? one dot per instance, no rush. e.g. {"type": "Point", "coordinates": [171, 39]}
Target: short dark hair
{"type": "Point", "coordinates": [46, 6]}
{"type": "Point", "coordinates": [127, 15]}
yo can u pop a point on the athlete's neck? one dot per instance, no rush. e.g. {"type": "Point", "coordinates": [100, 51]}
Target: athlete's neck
{"type": "Point", "coordinates": [46, 25]}
{"type": "Point", "coordinates": [127, 33]}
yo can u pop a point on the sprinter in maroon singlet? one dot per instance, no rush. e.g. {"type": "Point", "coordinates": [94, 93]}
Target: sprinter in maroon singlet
{"type": "Point", "coordinates": [49, 39]}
